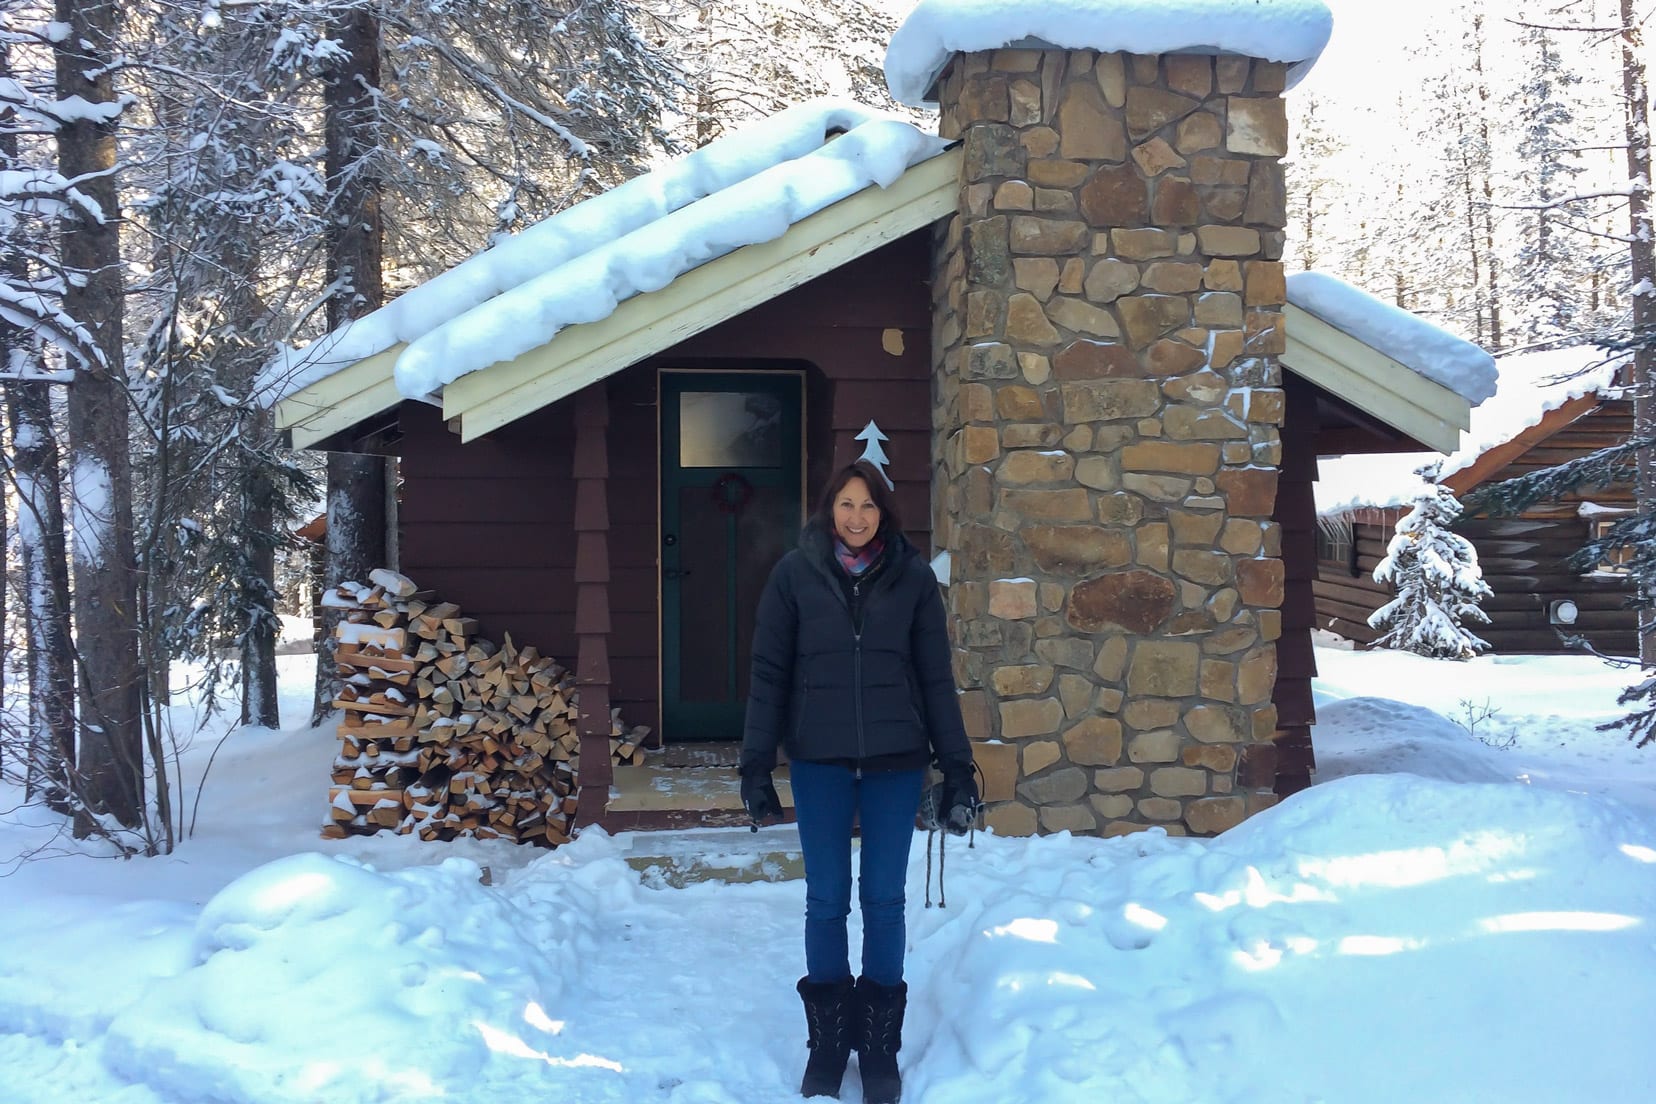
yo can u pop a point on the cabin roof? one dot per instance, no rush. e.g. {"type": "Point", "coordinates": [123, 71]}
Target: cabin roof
{"type": "Point", "coordinates": [1537, 394]}
{"type": "Point", "coordinates": [578, 266]}
{"type": "Point", "coordinates": [637, 270]}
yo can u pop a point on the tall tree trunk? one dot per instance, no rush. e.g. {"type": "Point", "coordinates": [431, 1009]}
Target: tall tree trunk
{"type": "Point", "coordinates": [1486, 169]}
{"type": "Point", "coordinates": [50, 743]}
{"type": "Point", "coordinates": [1642, 253]}
{"type": "Point", "coordinates": [356, 484]}
{"type": "Point", "coordinates": [111, 738]}
{"type": "Point", "coordinates": [1474, 242]}
{"type": "Point", "coordinates": [48, 740]}
{"type": "Point", "coordinates": [258, 653]}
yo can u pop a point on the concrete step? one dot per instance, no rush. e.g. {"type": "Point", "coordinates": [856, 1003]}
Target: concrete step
{"type": "Point", "coordinates": [681, 858]}
{"type": "Point", "coordinates": [658, 796]}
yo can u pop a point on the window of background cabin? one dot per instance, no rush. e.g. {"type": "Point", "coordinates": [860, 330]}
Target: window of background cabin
{"type": "Point", "coordinates": [1617, 560]}
{"type": "Point", "coordinates": [1335, 547]}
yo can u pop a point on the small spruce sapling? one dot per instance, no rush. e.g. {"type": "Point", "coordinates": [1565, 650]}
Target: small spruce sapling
{"type": "Point", "coordinates": [1435, 573]}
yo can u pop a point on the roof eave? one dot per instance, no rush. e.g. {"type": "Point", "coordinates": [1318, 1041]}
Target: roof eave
{"type": "Point", "coordinates": [1373, 382]}
{"type": "Point", "coordinates": [703, 297]}
{"type": "Point", "coordinates": [645, 324]}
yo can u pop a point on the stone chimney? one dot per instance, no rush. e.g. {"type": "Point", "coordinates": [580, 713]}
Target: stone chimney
{"type": "Point", "coordinates": [1107, 316]}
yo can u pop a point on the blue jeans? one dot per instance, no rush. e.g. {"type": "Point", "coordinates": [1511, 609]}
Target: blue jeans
{"type": "Point", "coordinates": [827, 798]}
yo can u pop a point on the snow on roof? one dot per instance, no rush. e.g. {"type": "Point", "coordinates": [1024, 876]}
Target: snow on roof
{"type": "Point", "coordinates": [1530, 386]}
{"type": "Point", "coordinates": [579, 264]}
{"type": "Point", "coordinates": [1413, 342]}
{"type": "Point", "coordinates": [1293, 31]}
{"type": "Point", "coordinates": [1375, 481]}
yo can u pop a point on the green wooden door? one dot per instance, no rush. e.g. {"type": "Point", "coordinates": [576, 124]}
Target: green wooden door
{"type": "Point", "coordinates": [731, 453]}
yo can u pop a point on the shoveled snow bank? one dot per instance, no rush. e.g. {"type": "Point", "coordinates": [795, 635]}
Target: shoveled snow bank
{"type": "Point", "coordinates": [1364, 919]}
{"type": "Point", "coordinates": [577, 265]}
{"type": "Point", "coordinates": [308, 977]}
{"type": "Point", "coordinates": [1435, 353]}
{"type": "Point", "coordinates": [1293, 31]}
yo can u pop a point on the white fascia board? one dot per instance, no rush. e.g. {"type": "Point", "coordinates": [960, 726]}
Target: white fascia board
{"type": "Point", "coordinates": [1393, 375]}
{"type": "Point", "coordinates": [702, 298]}
{"type": "Point", "coordinates": [340, 400]}
{"type": "Point", "coordinates": [1374, 383]}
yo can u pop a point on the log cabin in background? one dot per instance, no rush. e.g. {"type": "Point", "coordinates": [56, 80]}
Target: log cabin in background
{"type": "Point", "coordinates": [1069, 319]}
{"type": "Point", "coordinates": [1549, 407]}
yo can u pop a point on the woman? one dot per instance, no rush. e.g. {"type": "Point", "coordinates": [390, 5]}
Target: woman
{"type": "Point", "coordinates": [851, 673]}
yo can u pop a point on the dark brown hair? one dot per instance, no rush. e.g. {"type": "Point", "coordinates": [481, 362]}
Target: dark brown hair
{"type": "Point", "coordinates": [890, 520]}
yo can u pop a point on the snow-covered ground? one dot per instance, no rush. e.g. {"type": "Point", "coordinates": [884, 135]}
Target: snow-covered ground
{"type": "Point", "coordinates": [1480, 929]}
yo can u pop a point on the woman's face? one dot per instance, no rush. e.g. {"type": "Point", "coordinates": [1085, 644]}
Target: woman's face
{"type": "Point", "coordinates": [856, 518]}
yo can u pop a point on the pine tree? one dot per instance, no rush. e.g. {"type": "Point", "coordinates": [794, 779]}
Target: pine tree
{"type": "Point", "coordinates": [1548, 274]}
{"type": "Point", "coordinates": [1438, 582]}
{"type": "Point", "coordinates": [223, 199]}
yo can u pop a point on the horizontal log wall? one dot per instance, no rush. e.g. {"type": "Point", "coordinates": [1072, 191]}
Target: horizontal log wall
{"type": "Point", "coordinates": [1523, 559]}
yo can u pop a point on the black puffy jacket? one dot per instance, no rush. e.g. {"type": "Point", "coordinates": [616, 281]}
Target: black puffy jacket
{"type": "Point", "coordinates": [830, 693]}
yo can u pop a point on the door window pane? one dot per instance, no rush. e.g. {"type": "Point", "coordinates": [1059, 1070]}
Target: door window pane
{"type": "Point", "coordinates": [730, 429]}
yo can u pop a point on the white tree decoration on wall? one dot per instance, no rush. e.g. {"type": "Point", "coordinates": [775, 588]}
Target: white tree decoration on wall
{"type": "Point", "coordinates": [874, 454]}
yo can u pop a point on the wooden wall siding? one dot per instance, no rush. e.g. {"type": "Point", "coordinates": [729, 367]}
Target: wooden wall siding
{"type": "Point", "coordinates": [835, 329]}
{"type": "Point", "coordinates": [590, 469]}
{"type": "Point", "coordinates": [1523, 559]}
{"type": "Point", "coordinates": [1296, 513]}
{"type": "Point", "coordinates": [487, 525]}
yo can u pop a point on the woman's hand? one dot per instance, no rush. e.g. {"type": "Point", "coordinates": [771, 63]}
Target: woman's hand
{"type": "Point", "coordinates": [959, 806]}
{"type": "Point", "coordinates": [759, 796]}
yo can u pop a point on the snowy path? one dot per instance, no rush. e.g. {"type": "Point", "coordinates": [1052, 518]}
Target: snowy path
{"type": "Point", "coordinates": [687, 994]}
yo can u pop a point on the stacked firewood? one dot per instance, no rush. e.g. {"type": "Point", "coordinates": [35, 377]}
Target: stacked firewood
{"type": "Point", "coordinates": [444, 733]}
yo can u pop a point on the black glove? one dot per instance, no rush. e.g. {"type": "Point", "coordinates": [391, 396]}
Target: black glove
{"type": "Point", "coordinates": [759, 796]}
{"type": "Point", "coordinates": [958, 806]}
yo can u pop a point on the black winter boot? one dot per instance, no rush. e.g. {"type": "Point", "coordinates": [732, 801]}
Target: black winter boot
{"type": "Point", "coordinates": [831, 1018]}
{"type": "Point", "coordinates": [882, 1037]}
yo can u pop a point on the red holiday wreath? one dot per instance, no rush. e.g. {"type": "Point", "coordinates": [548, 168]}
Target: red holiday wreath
{"type": "Point", "coordinates": [732, 493]}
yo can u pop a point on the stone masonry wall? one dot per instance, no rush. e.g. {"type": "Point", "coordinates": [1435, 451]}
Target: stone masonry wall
{"type": "Point", "coordinates": [1107, 314]}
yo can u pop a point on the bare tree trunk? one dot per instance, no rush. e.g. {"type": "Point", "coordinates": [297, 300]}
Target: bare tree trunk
{"type": "Point", "coordinates": [356, 484]}
{"type": "Point", "coordinates": [352, 136]}
{"type": "Point", "coordinates": [111, 738]}
{"type": "Point", "coordinates": [258, 653]}
{"type": "Point", "coordinates": [1642, 254]}
{"type": "Point", "coordinates": [1474, 245]}
{"type": "Point", "coordinates": [6, 342]}
{"type": "Point", "coordinates": [1486, 169]}
{"type": "Point", "coordinates": [50, 744]}
{"type": "Point", "coordinates": [48, 739]}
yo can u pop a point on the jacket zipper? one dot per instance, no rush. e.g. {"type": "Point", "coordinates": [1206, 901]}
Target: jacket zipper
{"type": "Point", "coordinates": [856, 673]}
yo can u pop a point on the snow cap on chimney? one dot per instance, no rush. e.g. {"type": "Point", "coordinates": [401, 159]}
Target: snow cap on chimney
{"type": "Point", "coordinates": [1290, 31]}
